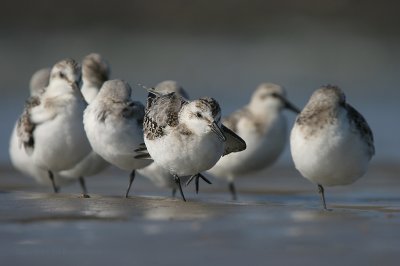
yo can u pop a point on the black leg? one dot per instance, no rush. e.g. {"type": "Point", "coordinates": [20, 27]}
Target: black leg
{"type": "Point", "coordinates": [321, 191]}
{"type": "Point", "coordinates": [197, 184]}
{"type": "Point", "coordinates": [178, 182]}
{"type": "Point", "coordinates": [190, 180]}
{"type": "Point", "coordinates": [174, 192]}
{"type": "Point", "coordinates": [232, 189]}
{"type": "Point", "coordinates": [51, 176]}
{"type": "Point", "coordinates": [83, 186]}
{"type": "Point", "coordinates": [197, 177]}
{"type": "Point", "coordinates": [131, 178]}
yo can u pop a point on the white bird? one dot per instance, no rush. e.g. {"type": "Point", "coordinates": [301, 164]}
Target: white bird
{"type": "Point", "coordinates": [263, 126]}
{"type": "Point", "coordinates": [158, 175]}
{"type": "Point", "coordinates": [331, 143]}
{"type": "Point", "coordinates": [95, 71]}
{"type": "Point", "coordinates": [19, 157]}
{"type": "Point", "coordinates": [185, 137]}
{"type": "Point", "coordinates": [54, 131]}
{"type": "Point", "coordinates": [114, 127]}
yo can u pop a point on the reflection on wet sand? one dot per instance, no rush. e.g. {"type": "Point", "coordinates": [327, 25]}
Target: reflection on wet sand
{"type": "Point", "coordinates": [277, 218]}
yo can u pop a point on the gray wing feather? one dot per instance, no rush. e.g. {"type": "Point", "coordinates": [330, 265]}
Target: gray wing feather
{"type": "Point", "coordinates": [233, 142]}
{"type": "Point", "coordinates": [161, 111]}
{"type": "Point", "coordinates": [362, 127]}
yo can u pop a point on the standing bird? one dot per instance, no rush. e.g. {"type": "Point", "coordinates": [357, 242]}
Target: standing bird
{"type": "Point", "coordinates": [95, 71]}
{"type": "Point", "coordinates": [331, 143]}
{"type": "Point", "coordinates": [263, 126]}
{"type": "Point", "coordinates": [20, 158]}
{"type": "Point", "coordinates": [56, 136]}
{"type": "Point", "coordinates": [186, 137]}
{"type": "Point", "coordinates": [158, 175]}
{"type": "Point", "coordinates": [114, 127]}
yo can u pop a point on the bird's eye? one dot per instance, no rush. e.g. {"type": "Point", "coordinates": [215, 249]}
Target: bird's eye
{"type": "Point", "coordinates": [275, 95]}
{"type": "Point", "coordinates": [198, 115]}
{"type": "Point", "coordinates": [62, 75]}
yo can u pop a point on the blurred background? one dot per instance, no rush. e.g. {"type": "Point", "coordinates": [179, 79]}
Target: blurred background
{"type": "Point", "coordinates": [222, 49]}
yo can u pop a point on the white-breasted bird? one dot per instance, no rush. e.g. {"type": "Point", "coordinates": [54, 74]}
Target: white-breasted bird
{"type": "Point", "coordinates": [114, 127]}
{"type": "Point", "coordinates": [56, 138]}
{"type": "Point", "coordinates": [95, 71]}
{"type": "Point", "coordinates": [331, 142]}
{"type": "Point", "coordinates": [186, 137]}
{"type": "Point", "coordinates": [263, 126]}
{"type": "Point", "coordinates": [158, 175]}
{"type": "Point", "coordinates": [20, 158]}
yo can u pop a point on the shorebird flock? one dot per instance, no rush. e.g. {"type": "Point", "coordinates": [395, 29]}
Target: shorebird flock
{"type": "Point", "coordinates": [77, 122]}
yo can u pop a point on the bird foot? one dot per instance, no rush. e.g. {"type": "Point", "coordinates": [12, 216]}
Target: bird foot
{"type": "Point", "coordinates": [197, 178]}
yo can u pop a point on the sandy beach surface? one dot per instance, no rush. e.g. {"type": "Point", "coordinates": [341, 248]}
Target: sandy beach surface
{"type": "Point", "coordinates": [276, 221]}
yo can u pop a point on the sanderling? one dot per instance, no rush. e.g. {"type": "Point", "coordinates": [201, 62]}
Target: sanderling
{"type": "Point", "coordinates": [157, 174]}
{"type": "Point", "coordinates": [20, 159]}
{"type": "Point", "coordinates": [95, 71]}
{"type": "Point", "coordinates": [186, 137]}
{"type": "Point", "coordinates": [114, 127]}
{"type": "Point", "coordinates": [56, 137]}
{"type": "Point", "coordinates": [331, 143]}
{"type": "Point", "coordinates": [263, 126]}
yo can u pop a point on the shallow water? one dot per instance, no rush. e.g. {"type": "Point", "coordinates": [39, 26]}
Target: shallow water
{"type": "Point", "coordinates": [277, 219]}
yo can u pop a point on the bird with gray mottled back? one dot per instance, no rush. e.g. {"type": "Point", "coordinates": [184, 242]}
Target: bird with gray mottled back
{"type": "Point", "coordinates": [114, 127]}
{"type": "Point", "coordinates": [157, 174]}
{"type": "Point", "coordinates": [186, 137]}
{"type": "Point", "coordinates": [331, 142]}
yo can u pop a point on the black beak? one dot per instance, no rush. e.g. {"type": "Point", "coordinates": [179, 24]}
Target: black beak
{"type": "Point", "coordinates": [75, 85]}
{"type": "Point", "coordinates": [217, 130]}
{"type": "Point", "coordinates": [289, 105]}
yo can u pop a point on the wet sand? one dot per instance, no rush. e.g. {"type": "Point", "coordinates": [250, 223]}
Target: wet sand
{"type": "Point", "coordinates": [277, 220]}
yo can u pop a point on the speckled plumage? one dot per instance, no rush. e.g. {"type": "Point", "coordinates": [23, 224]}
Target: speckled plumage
{"type": "Point", "coordinates": [331, 142]}
{"type": "Point", "coordinates": [185, 137]}
{"type": "Point", "coordinates": [25, 127]}
{"type": "Point", "coordinates": [157, 174]}
{"type": "Point", "coordinates": [160, 113]}
{"type": "Point", "coordinates": [319, 114]}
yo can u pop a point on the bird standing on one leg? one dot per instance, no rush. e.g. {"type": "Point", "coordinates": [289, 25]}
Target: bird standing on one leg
{"type": "Point", "coordinates": [331, 143]}
{"type": "Point", "coordinates": [263, 126]}
{"type": "Point", "coordinates": [114, 127]}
